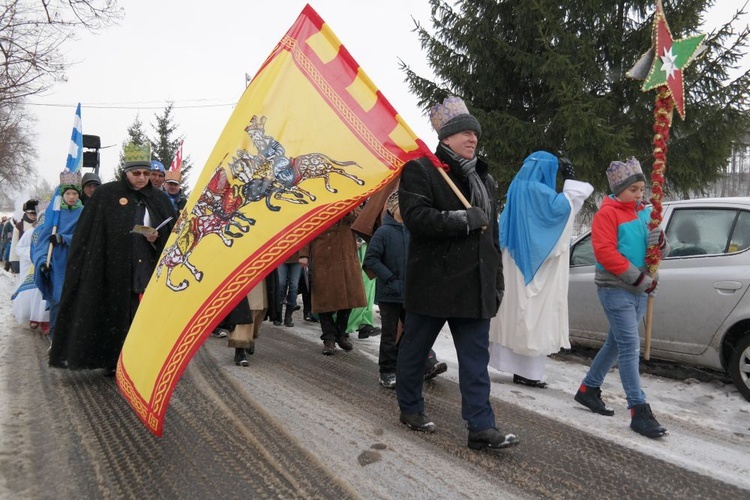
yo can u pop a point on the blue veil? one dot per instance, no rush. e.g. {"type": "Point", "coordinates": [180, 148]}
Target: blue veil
{"type": "Point", "coordinates": [535, 214]}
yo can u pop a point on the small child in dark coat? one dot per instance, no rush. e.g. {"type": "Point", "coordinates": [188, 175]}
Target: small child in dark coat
{"type": "Point", "coordinates": [386, 259]}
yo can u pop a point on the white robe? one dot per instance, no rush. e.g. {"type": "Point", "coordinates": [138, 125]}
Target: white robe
{"type": "Point", "coordinates": [533, 319]}
{"type": "Point", "coordinates": [28, 306]}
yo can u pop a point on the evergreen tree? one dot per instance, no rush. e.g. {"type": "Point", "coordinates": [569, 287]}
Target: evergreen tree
{"type": "Point", "coordinates": [136, 135]}
{"type": "Point", "coordinates": [550, 74]}
{"type": "Point", "coordinates": [165, 144]}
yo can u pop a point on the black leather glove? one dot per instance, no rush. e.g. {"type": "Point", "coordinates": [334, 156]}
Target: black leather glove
{"type": "Point", "coordinates": [476, 218]}
{"type": "Point", "coordinates": [55, 239]}
{"type": "Point", "coordinates": [44, 268]}
{"type": "Point", "coordinates": [565, 167]}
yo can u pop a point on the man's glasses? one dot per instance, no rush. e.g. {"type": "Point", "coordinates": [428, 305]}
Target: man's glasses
{"type": "Point", "coordinates": [138, 173]}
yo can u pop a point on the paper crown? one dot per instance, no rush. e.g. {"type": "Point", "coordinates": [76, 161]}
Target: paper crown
{"type": "Point", "coordinates": [440, 114]}
{"type": "Point", "coordinates": [173, 175]}
{"type": "Point", "coordinates": [452, 117]}
{"type": "Point", "coordinates": [621, 175]}
{"type": "Point", "coordinates": [70, 178]}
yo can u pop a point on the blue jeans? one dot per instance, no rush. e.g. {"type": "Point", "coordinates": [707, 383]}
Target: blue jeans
{"type": "Point", "coordinates": [288, 282]}
{"type": "Point", "coordinates": [471, 339]}
{"type": "Point", "coordinates": [625, 312]}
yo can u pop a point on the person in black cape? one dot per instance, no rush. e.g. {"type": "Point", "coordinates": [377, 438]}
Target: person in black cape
{"type": "Point", "coordinates": [108, 269]}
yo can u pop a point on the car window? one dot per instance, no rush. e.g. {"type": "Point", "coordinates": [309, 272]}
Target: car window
{"type": "Point", "coordinates": [582, 253]}
{"type": "Point", "coordinates": [700, 231]}
{"type": "Point", "coordinates": [741, 234]}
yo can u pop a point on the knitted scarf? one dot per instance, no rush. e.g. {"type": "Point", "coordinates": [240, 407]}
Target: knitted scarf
{"type": "Point", "coordinates": [479, 196]}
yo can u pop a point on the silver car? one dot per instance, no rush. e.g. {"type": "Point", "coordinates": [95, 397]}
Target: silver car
{"type": "Point", "coordinates": [702, 307]}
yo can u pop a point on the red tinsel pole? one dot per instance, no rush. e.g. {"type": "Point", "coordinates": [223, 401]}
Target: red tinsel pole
{"type": "Point", "coordinates": [662, 123]}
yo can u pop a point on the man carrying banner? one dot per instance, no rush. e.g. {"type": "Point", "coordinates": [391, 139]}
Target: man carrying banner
{"type": "Point", "coordinates": [113, 253]}
{"type": "Point", "coordinates": [455, 254]}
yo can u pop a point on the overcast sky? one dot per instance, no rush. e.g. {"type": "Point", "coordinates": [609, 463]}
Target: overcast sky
{"type": "Point", "coordinates": [197, 53]}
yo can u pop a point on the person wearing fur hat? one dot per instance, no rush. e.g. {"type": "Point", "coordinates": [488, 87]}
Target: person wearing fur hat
{"type": "Point", "coordinates": [455, 253]}
{"type": "Point", "coordinates": [620, 235]}
{"type": "Point", "coordinates": [89, 183]}
{"type": "Point", "coordinates": [109, 266]}
{"type": "Point", "coordinates": [55, 236]}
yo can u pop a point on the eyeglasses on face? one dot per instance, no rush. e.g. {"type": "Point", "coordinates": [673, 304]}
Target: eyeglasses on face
{"type": "Point", "coordinates": [158, 174]}
{"type": "Point", "coordinates": [138, 173]}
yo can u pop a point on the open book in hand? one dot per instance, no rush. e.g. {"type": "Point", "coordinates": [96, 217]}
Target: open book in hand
{"type": "Point", "coordinates": [146, 230]}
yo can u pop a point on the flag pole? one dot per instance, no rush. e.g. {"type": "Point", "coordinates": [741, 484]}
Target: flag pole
{"type": "Point", "coordinates": [55, 222]}
{"type": "Point", "coordinates": [456, 191]}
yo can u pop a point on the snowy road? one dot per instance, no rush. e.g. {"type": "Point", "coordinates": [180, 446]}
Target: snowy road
{"type": "Point", "coordinates": [298, 424]}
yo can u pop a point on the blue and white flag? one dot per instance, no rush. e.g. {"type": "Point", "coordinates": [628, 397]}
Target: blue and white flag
{"type": "Point", "coordinates": [75, 151]}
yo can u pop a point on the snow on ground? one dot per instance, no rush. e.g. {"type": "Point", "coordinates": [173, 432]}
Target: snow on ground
{"type": "Point", "coordinates": [708, 423]}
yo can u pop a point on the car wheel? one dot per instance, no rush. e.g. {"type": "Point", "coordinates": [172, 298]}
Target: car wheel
{"type": "Point", "coordinates": [739, 368]}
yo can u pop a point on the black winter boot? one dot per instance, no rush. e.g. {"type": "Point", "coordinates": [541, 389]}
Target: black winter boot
{"type": "Point", "coordinates": [288, 316]}
{"type": "Point", "coordinates": [591, 398]}
{"type": "Point", "coordinates": [644, 423]}
{"type": "Point", "coordinates": [239, 357]}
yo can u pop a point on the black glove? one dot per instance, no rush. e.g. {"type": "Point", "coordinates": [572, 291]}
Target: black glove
{"type": "Point", "coordinates": [55, 239]}
{"type": "Point", "coordinates": [476, 218]}
{"type": "Point", "coordinates": [565, 167]}
{"type": "Point", "coordinates": [44, 268]}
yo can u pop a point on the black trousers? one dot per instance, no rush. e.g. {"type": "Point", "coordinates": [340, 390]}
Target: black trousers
{"type": "Point", "coordinates": [334, 328]}
{"type": "Point", "coordinates": [471, 339]}
{"type": "Point", "coordinates": [390, 314]}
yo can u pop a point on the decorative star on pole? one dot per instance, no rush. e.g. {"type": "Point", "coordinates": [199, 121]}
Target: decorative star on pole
{"type": "Point", "coordinates": [661, 68]}
{"type": "Point", "coordinates": [662, 65]}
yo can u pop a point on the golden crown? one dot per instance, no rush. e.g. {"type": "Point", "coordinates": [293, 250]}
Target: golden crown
{"type": "Point", "coordinates": [172, 175]}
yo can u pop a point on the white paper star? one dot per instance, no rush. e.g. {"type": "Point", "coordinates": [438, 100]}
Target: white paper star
{"type": "Point", "coordinates": [668, 63]}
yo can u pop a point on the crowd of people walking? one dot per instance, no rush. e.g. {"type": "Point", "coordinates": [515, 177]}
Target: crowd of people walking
{"type": "Point", "coordinates": [443, 253]}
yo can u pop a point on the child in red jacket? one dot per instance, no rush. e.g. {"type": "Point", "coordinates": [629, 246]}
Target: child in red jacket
{"type": "Point", "coordinates": [620, 234]}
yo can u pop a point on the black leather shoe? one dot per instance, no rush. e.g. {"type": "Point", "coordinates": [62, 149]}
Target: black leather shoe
{"type": "Point", "coordinates": [517, 379]}
{"type": "Point", "coordinates": [418, 422]}
{"type": "Point", "coordinates": [435, 370]}
{"type": "Point", "coordinates": [493, 439]}
{"type": "Point", "coordinates": [643, 422]}
{"type": "Point", "coordinates": [250, 350]}
{"type": "Point", "coordinates": [591, 398]}
{"type": "Point", "coordinates": [368, 331]}
{"type": "Point", "coordinates": [239, 357]}
{"type": "Point", "coordinates": [344, 343]}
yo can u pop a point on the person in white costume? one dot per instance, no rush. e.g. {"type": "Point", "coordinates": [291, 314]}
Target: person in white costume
{"type": "Point", "coordinates": [29, 308]}
{"type": "Point", "coordinates": [535, 229]}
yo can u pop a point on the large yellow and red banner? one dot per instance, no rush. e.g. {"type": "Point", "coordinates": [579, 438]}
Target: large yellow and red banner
{"type": "Point", "coordinates": [309, 140]}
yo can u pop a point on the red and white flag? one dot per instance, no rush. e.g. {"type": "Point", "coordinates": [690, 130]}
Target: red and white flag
{"type": "Point", "coordinates": [177, 160]}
